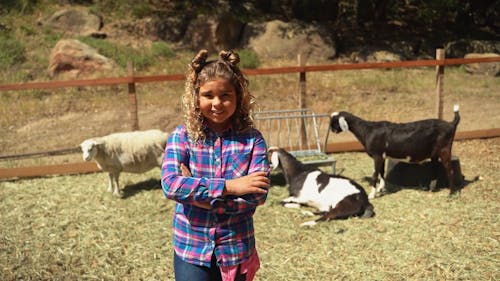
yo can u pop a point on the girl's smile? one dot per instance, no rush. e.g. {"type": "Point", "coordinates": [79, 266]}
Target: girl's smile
{"type": "Point", "coordinates": [217, 99]}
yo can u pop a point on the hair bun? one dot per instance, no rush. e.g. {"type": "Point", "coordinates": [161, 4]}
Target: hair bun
{"type": "Point", "coordinates": [199, 60]}
{"type": "Point", "coordinates": [229, 56]}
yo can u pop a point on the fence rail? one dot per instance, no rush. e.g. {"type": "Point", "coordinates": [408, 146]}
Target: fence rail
{"type": "Point", "coordinates": [262, 71]}
{"type": "Point", "coordinates": [90, 167]}
{"type": "Point", "coordinates": [131, 80]}
{"type": "Point", "coordinates": [63, 151]}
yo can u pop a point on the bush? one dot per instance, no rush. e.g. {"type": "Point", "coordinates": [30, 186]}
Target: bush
{"type": "Point", "coordinates": [12, 51]}
{"type": "Point", "coordinates": [249, 59]}
{"type": "Point", "coordinates": [17, 5]}
{"type": "Point", "coordinates": [161, 49]}
{"type": "Point", "coordinates": [123, 8]}
{"type": "Point", "coordinates": [120, 54]}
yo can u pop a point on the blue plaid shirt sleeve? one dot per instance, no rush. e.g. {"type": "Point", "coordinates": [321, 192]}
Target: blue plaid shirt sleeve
{"type": "Point", "coordinates": [247, 203]}
{"type": "Point", "coordinates": [180, 188]}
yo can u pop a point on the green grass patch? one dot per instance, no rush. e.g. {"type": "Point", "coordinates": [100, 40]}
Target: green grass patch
{"type": "Point", "coordinates": [120, 54]}
{"type": "Point", "coordinates": [12, 51]}
{"type": "Point", "coordinates": [162, 49]}
{"type": "Point", "coordinates": [249, 59]}
{"type": "Point", "coordinates": [123, 8]}
{"type": "Point", "coordinates": [141, 58]}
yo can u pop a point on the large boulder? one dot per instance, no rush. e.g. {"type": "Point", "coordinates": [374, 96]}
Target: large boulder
{"type": "Point", "coordinates": [200, 34]}
{"type": "Point", "coordinates": [486, 68]}
{"type": "Point", "coordinates": [171, 28]}
{"type": "Point", "coordinates": [228, 31]}
{"type": "Point", "coordinates": [72, 58]}
{"type": "Point", "coordinates": [76, 21]}
{"type": "Point", "coordinates": [280, 40]}
{"type": "Point", "coordinates": [459, 48]}
{"type": "Point", "coordinates": [213, 34]}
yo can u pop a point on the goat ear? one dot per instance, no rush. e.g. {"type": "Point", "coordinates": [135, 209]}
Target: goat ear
{"type": "Point", "coordinates": [275, 161]}
{"type": "Point", "coordinates": [343, 124]}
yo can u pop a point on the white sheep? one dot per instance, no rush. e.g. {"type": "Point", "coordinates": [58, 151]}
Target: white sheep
{"type": "Point", "coordinates": [133, 152]}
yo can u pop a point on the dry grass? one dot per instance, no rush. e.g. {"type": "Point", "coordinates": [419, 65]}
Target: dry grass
{"type": "Point", "coordinates": [395, 95]}
{"type": "Point", "coordinates": [69, 228]}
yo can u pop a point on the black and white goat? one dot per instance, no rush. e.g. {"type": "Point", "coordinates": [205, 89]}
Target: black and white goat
{"type": "Point", "coordinates": [335, 197]}
{"type": "Point", "coordinates": [414, 141]}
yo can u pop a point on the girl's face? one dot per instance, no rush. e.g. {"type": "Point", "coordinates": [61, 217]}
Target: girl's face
{"type": "Point", "coordinates": [217, 100]}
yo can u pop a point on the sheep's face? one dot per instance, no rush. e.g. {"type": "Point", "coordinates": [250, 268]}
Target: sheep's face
{"type": "Point", "coordinates": [89, 149]}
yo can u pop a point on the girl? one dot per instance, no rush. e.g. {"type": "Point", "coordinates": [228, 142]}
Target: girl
{"type": "Point", "coordinates": [216, 169]}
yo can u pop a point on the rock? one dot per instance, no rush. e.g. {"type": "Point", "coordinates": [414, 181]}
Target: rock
{"type": "Point", "coordinates": [280, 40]}
{"type": "Point", "coordinates": [75, 59]}
{"type": "Point", "coordinates": [486, 68]}
{"type": "Point", "coordinates": [213, 34]}
{"type": "Point", "coordinates": [383, 56]}
{"type": "Point", "coordinates": [75, 21]}
{"type": "Point", "coordinates": [200, 34]}
{"type": "Point", "coordinates": [171, 28]}
{"type": "Point", "coordinates": [228, 31]}
{"type": "Point", "coordinates": [459, 48]}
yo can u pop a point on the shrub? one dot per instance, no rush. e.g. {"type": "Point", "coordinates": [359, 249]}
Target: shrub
{"type": "Point", "coordinates": [123, 8]}
{"type": "Point", "coordinates": [119, 53]}
{"type": "Point", "coordinates": [12, 51]}
{"type": "Point", "coordinates": [249, 59]}
{"type": "Point", "coordinates": [161, 49]}
{"type": "Point", "coordinates": [21, 6]}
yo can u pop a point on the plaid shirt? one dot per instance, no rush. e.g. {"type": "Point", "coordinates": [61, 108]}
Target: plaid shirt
{"type": "Point", "coordinates": [227, 229]}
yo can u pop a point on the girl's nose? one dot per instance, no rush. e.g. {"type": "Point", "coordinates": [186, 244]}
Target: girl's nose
{"type": "Point", "coordinates": [216, 101]}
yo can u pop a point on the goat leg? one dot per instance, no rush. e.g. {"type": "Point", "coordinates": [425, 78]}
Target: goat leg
{"type": "Point", "coordinates": [381, 184]}
{"type": "Point", "coordinates": [379, 167]}
{"type": "Point", "coordinates": [450, 173]}
{"type": "Point", "coordinates": [347, 207]}
{"type": "Point", "coordinates": [330, 215]}
{"type": "Point", "coordinates": [434, 174]}
{"type": "Point", "coordinates": [291, 202]}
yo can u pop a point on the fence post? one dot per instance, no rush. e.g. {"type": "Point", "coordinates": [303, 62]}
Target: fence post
{"type": "Point", "coordinates": [302, 98]}
{"type": "Point", "coordinates": [439, 83]}
{"type": "Point", "coordinates": [132, 99]}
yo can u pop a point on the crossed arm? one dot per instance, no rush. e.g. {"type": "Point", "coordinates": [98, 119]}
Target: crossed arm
{"type": "Point", "coordinates": [254, 183]}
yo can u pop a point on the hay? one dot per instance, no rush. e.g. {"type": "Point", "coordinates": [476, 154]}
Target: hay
{"type": "Point", "coordinates": [70, 228]}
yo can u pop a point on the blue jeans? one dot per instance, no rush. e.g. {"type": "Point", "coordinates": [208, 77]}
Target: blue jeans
{"type": "Point", "coordinates": [185, 271]}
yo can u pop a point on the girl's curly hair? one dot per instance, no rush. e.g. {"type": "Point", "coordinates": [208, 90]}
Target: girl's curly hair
{"type": "Point", "coordinates": [199, 72]}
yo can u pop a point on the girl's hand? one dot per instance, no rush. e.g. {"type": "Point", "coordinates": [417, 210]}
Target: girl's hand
{"type": "Point", "coordinates": [186, 173]}
{"type": "Point", "coordinates": [257, 182]}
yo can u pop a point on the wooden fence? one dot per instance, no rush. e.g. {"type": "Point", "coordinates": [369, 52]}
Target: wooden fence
{"type": "Point", "coordinates": [72, 168]}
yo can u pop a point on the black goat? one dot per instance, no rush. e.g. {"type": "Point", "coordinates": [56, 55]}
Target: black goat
{"type": "Point", "coordinates": [335, 197]}
{"type": "Point", "coordinates": [414, 141]}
